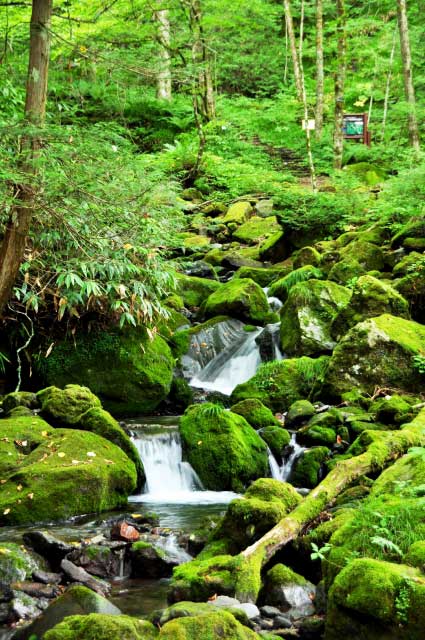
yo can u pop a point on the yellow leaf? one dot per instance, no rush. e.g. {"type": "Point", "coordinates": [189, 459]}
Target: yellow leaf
{"type": "Point", "coordinates": [6, 511]}
{"type": "Point", "coordinates": [199, 442]}
{"type": "Point", "coordinates": [127, 246]}
{"type": "Point", "coordinates": [44, 434]}
{"type": "Point", "coordinates": [30, 496]}
{"type": "Point", "coordinates": [4, 551]}
{"type": "Point", "coordinates": [61, 454]}
{"type": "Point", "coordinates": [91, 454]}
{"type": "Point", "coordinates": [19, 487]}
{"type": "Point", "coordinates": [3, 481]}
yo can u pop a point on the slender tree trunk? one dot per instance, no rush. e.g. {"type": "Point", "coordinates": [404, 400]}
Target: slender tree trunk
{"type": "Point", "coordinates": [320, 74]}
{"type": "Point", "coordinates": [409, 90]}
{"type": "Point", "coordinates": [163, 88]}
{"type": "Point", "coordinates": [293, 47]}
{"type": "Point", "coordinates": [340, 84]}
{"type": "Point", "coordinates": [301, 42]}
{"type": "Point", "coordinates": [388, 84]}
{"type": "Point", "coordinates": [201, 59]}
{"type": "Point", "coordinates": [14, 241]}
{"type": "Point", "coordinates": [379, 451]}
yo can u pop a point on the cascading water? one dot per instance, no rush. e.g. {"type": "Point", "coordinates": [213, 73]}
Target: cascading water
{"type": "Point", "coordinates": [169, 479]}
{"type": "Point", "coordinates": [231, 367]}
{"type": "Point", "coordinates": [284, 471]}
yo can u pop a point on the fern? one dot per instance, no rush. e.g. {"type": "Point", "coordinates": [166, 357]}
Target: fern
{"type": "Point", "coordinates": [386, 545]}
{"type": "Point", "coordinates": [210, 410]}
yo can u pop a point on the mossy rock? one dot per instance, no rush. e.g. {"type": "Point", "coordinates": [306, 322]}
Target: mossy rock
{"type": "Point", "coordinates": [281, 288]}
{"type": "Point", "coordinates": [234, 258]}
{"type": "Point", "coordinates": [241, 298]}
{"type": "Point", "coordinates": [415, 556]}
{"type": "Point", "coordinates": [281, 580]}
{"type": "Point", "coordinates": [194, 291]}
{"type": "Point", "coordinates": [415, 228]}
{"type": "Point", "coordinates": [264, 504]}
{"type": "Point", "coordinates": [257, 230]}
{"type": "Point", "coordinates": [406, 477]}
{"type": "Point", "coordinates": [198, 580]}
{"type": "Point", "coordinates": [279, 384]}
{"type": "Point", "coordinates": [263, 276]}
{"type": "Point", "coordinates": [307, 472]}
{"type": "Point", "coordinates": [368, 173]}
{"type": "Point", "coordinates": [16, 563]}
{"type": "Point", "coordinates": [277, 438]}
{"type": "Point", "coordinates": [61, 473]}
{"type": "Point", "coordinates": [101, 422]}
{"type": "Point", "coordinates": [181, 394]}
{"type": "Point", "coordinates": [414, 244]}
{"type": "Point", "coordinates": [367, 254]}
{"type": "Point", "coordinates": [65, 406]}
{"type": "Point", "coordinates": [408, 264]}
{"type": "Point", "coordinates": [102, 627]}
{"type": "Point", "coordinates": [130, 373]}
{"type": "Point", "coordinates": [412, 288]}
{"type": "Point", "coordinates": [365, 602]}
{"type": "Point", "coordinates": [307, 316]}
{"type": "Point", "coordinates": [307, 256]}
{"type": "Point", "coordinates": [76, 601]}
{"type": "Point", "coordinates": [299, 412]}
{"type": "Point", "coordinates": [29, 431]}
{"type": "Point", "coordinates": [275, 248]}
{"type": "Point", "coordinates": [25, 399]}
{"type": "Point", "coordinates": [371, 297]}
{"type": "Point", "coordinates": [255, 412]}
{"type": "Point", "coordinates": [377, 353]}
{"type": "Point", "coordinates": [393, 410]}
{"type": "Point", "coordinates": [214, 625]}
{"type": "Point", "coordinates": [238, 213]}
{"type": "Point", "coordinates": [195, 242]}
{"type": "Point", "coordinates": [225, 451]}
{"type": "Point", "coordinates": [346, 271]}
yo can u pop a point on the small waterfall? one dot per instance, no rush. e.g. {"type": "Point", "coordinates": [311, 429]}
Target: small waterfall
{"type": "Point", "coordinates": [283, 472]}
{"type": "Point", "coordinates": [229, 369]}
{"type": "Point", "coordinates": [170, 545]}
{"type": "Point", "coordinates": [165, 470]}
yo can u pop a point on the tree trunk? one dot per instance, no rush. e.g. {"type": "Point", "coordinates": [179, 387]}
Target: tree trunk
{"type": "Point", "coordinates": [409, 90]}
{"type": "Point", "coordinates": [380, 448]}
{"type": "Point", "coordinates": [339, 85]}
{"type": "Point", "coordinates": [13, 245]}
{"type": "Point", "coordinates": [163, 87]}
{"type": "Point", "coordinates": [293, 47]}
{"type": "Point", "coordinates": [388, 84]}
{"type": "Point", "coordinates": [320, 74]}
{"type": "Point", "coordinates": [201, 59]}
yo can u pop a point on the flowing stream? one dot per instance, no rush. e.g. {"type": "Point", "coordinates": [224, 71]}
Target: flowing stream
{"type": "Point", "coordinates": [283, 472]}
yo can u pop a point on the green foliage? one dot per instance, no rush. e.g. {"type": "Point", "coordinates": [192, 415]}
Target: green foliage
{"type": "Point", "coordinates": [418, 362]}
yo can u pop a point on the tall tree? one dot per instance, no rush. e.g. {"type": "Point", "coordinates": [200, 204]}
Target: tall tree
{"type": "Point", "coordinates": [293, 48]}
{"type": "Point", "coordinates": [14, 241]}
{"type": "Point", "coordinates": [403, 27]}
{"type": "Point", "coordinates": [202, 62]}
{"type": "Point", "coordinates": [340, 84]}
{"type": "Point", "coordinates": [163, 86]}
{"type": "Point", "coordinates": [320, 74]}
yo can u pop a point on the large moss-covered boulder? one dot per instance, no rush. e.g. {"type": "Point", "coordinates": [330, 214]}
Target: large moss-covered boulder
{"type": "Point", "coordinates": [102, 627]}
{"type": "Point", "coordinates": [99, 421]}
{"type": "Point", "coordinates": [277, 438]}
{"type": "Point", "coordinates": [195, 290]}
{"type": "Point", "coordinates": [238, 213]}
{"type": "Point", "coordinates": [130, 373]}
{"type": "Point", "coordinates": [371, 297]}
{"type": "Point", "coordinates": [16, 563]}
{"type": "Point", "coordinates": [263, 276]}
{"type": "Point", "coordinates": [309, 467]}
{"type": "Point", "coordinates": [367, 254]}
{"type": "Point", "coordinates": [256, 413]}
{"type": "Point", "coordinates": [199, 579]}
{"type": "Point", "coordinates": [279, 384]}
{"type": "Point", "coordinates": [222, 447]}
{"type": "Point", "coordinates": [412, 288]}
{"type": "Point", "coordinates": [281, 288]}
{"type": "Point", "coordinates": [54, 474]}
{"type": "Point", "coordinates": [376, 600]}
{"type": "Point", "coordinates": [345, 271]}
{"type": "Point", "coordinates": [16, 399]}
{"type": "Point", "coordinates": [415, 228]}
{"type": "Point", "coordinates": [241, 298]}
{"type": "Point", "coordinates": [377, 352]}
{"type": "Point", "coordinates": [212, 625]}
{"type": "Point", "coordinates": [257, 230]}
{"type": "Point", "coordinates": [262, 507]}
{"type": "Point", "coordinates": [65, 406]}
{"type": "Point", "coordinates": [291, 592]}
{"type": "Point", "coordinates": [307, 316]}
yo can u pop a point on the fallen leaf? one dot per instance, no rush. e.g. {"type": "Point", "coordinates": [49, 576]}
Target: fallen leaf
{"type": "Point", "coordinates": [30, 496]}
{"type": "Point", "coordinates": [19, 487]}
{"type": "Point", "coordinates": [199, 442]}
{"type": "Point", "coordinates": [6, 511]}
{"type": "Point", "coordinates": [45, 434]}
{"type": "Point", "coordinates": [61, 454]}
{"type": "Point", "coordinates": [108, 461]}
{"type": "Point", "coordinates": [91, 454]}
{"type": "Point", "coordinates": [3, 481]}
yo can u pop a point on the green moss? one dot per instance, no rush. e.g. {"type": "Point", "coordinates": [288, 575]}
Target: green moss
{"type": "Point", "coordinates": [275, 248]}
{"type": "Point", "coordinates": [16, 564]}
{"type": "Point", "coordinates": [415, 228]}
{"type": "Point", "coordinates": [96, 626]}
{"type": "Point", "coordinates": [15, 431]}
{"type": "Point", "coordinates": [282, 287]}
{"type": "Point", "coordinates": [408, 264]}
{"type": "Point", "coordinates": [377, 352]}
{"type": "Point", "coordinates": [101, 422]}
{"type": "Point", "coordinates": [130, 373]}
{"type": "Point", "coordinates": [69, 472]}
{"type": "Point", "coordinates": [239, 212]}
{"type": "Point", "coordinates": [416, 555]}
{"type": "Point", "coordinates": [367, 254]}
{"type": "Point", "coordinates": [174, 302]}
{"type": "Point", "coordinates": [281, 575]}
{"type": "Point", "coordinates": [198, 580]}
{"type": "Point", "coordinates": [263, 276]}
{"type": "Point", "coordinates": [240, 298]}
{"type": "Point", "coordinates": [181, 394]}
{"type": "Point", "coordinates": [16, 399]}
{"type": "Point", "coordinates": [392, 410]}
{"type": "Point", "coordinates": [195, 290]}
{"type": "Point", "coordinates": [299, 412]}
{"type": "Point", "coordinates": [208, 627]}
{"type": "Point", "coordinates": [257, 230]}
{"type": "Point", "coordinates": [65, 406]}
{"type": "Point", "coordinates": [371, 297]}
{"type": "Point", "coordinates": [346, 271]}
{"type": "Point", "coordinates": [179, 343]}
{"type": "Point", "coordinates": [280, 384]}
{"type": "Point", "coordinates": [196, 242]}
{"type": "Point", "coordinates": [308, 467]}
{"type": "Point", "coordinates": [307, 316]}
{"type": "Point", "coordinates": [222, 447]}
{"type": "Point", "coordinates": [254, 412]}
{"type": "Point", "coordinates": [276, 438]}
{"type": "Point", "coordinates": [307, 256]}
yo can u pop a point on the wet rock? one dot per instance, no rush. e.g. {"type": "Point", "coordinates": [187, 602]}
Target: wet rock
{"type": "Point", "coordinates": [20, 399]}
{"type": "Point", "coordinates": [78, 574]}
{"type": "Point", "coordinates": [51, 548]}
{"type": "Point", "coordinates": [37, 589]}
{"type": "Point", "coordinates": [99, 560]}
{"type": "Point", "coordinates": [15, 563]}
{"type": "Point", "coordinates": [47, 577]}
{"type": "Point", "coordinates": [281, 622]}
{"type": "Point", "coordinates": [311, 628]}
{"type": "Point", "coordinates": [23, 607]}
{"type": "Point", "coordinates": [269, 612]}
{"type": "Point", "coordinates": [290, 592]}
{"type": "Point", "coordinates": [201, 269]}
{"type": "Point", "coordinates": [148, 561]}
{"type": "Point", "coordinates": [251, 610]}
{"type": "Point", "coordinates": [267, 342]}
{"type": "Point", "coordinates": [124, 531]}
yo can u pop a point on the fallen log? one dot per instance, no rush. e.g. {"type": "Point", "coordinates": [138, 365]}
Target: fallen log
{"type": "Point", "coordinates": [377, 448]}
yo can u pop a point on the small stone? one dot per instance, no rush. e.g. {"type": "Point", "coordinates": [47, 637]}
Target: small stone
{"type": "Point", "coordinates": [124, 531]}
{"type": "Point", "coordinates": [225, 601]}
{"type": "Point", "coordinates": [280, 622]}
{"type": "Point", "coordinates": [270, 612]}
{"type": "Point", "coordinates": [47, 577]}
{"type": "Point", "coordinates": [251, 610]}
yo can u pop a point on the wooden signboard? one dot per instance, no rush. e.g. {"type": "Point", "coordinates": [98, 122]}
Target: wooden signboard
{"type": "Point", "coordinates": [355, 127]}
